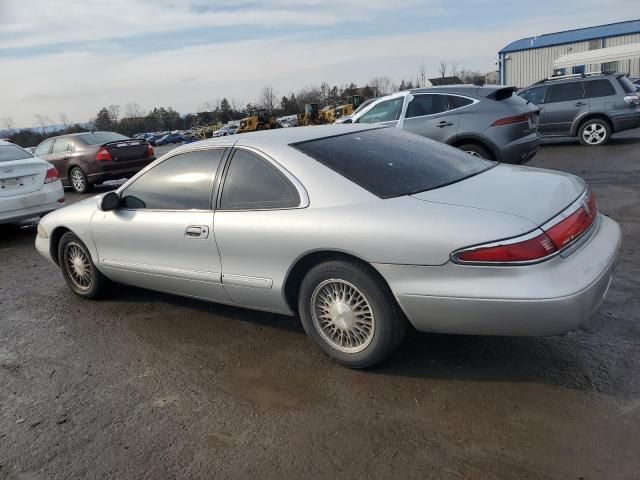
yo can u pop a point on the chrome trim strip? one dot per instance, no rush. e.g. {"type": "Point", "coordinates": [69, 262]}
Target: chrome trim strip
{"type": "Point", "coordinates": [173, 272]}
{"type": "Point", "coordinates": [246, 281]}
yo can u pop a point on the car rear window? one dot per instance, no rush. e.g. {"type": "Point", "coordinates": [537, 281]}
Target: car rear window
{"type": "Point", "coordinates": [12, 152]}
{"type": "Point", "coordinates": [389, 162]}
{"type": "Point", "coordinates": [98, 138]}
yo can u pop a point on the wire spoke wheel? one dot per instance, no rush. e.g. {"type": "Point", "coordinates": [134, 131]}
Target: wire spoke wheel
{"type": "Point", "coordinates": [594, 133]}
{"type": "Point", "coordinates": [77, 180]}
{"type": "Point", "coordinates": [78, 266]}
{"type": "Point", "coordinates": [342, 315]}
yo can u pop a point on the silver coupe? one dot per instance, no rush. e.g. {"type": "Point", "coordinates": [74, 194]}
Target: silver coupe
{"type": "Point", "coordinates": [359, 230]}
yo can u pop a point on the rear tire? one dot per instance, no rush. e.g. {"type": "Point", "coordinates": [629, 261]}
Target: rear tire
{"type": "Point", "coordinates": [350, 314]}
{"type": "Point", "coordinates": [79, 181]}
{"type": "Point", "coordinates": [476, 150]}
{"type": "Point", "coordinates": [594, 133]}
{"type": "Point", "coordinates": [78, 270]}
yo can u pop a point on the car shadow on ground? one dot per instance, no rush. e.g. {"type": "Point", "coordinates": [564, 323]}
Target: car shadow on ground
{"type": "Point", "coordinates": [616, 140]}
{"type": "Point", "coordinates": [557, 361]}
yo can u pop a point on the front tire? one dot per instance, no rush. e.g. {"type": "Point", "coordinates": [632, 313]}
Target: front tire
{"type": "Point", "coordinates": [78, 270]}
{"type": "Point", "coordinates": [350, 314]}
{"type": "Point", "coordinates": [79, 181]}
{"type": "Point", "coordinates": [595, 133]}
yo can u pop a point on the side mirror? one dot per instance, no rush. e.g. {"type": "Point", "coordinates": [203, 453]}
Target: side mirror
{"type": "Point", "coordinates": [111, 201]}
{"type": "Point", "coordinates": [348, 120]}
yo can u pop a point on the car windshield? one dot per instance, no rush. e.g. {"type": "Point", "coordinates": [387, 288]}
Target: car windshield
{"type": "Point", "coordinates": [98, 138]}
{"type": "Point", "coordinates": [389, 163]}
{"type": "Point", "coordinates": [12, 152]}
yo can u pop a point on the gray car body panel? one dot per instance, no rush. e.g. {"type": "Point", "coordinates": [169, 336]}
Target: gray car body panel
{"type": "Point", "coordinates": [247, 259]}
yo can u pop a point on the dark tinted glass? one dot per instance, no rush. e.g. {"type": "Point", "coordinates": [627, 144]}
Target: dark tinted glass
{"type": "Point", "coordinates": [252, 183]}
{"type": "Point", "coordinates": [386, 111]}
{"type": "Point", "coordinates": [564, 92]}
{"type": "Point", "coordinates": [457, 102]}
{"type": "Point", "coordinates": [44, 148]}
{"type": "Point", "coordinates": [11, 152]}
{"type": "Point", "coordinates": [98, 138]}
{"type": "Point", "coordinates": [534, 95]}
{"type": "Point", "coordinates": [427, 105]}
{"type": "Point", "coordinates": [599, 88]}
{"type": "Point", "coordinates": [183, 182]}
{"type": "Point", "coordinates": [389, 162]}
{"type": "Point", "coordinates": [61, 145]}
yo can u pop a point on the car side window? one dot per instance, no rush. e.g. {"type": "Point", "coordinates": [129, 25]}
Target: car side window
{"type": "Point", "coordinates": [599, 88]}
{"type": "Point", "coordinates": [61, 145]}
{"type": "Point", "coordinates": [386, 111]}
{"type": "Point", "coordinates": [253, 183]}
{"type": "Point", "coordinates": [458, 102]}
{"type": "Point", "coordinates": [565, 92]}
{"type": "Point", "coordinates": [535, 95]}
{"type": "Point", "coordinates": [43, 149]}
{"type": "Point", "coordinates": [427, 104]}
{"type": "Point", "coordinates": [182, 182]}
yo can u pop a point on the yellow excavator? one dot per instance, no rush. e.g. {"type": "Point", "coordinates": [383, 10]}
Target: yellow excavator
{"type": "Point", "coordinates": [312, 116]}
{"type": "Point", "coordinates": [346, 106]}
{"type": "Point", "coordinates": [258, 119]}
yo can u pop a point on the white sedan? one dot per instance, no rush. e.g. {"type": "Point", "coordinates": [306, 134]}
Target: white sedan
{"type": "Point", "coordinates": [29, 186]}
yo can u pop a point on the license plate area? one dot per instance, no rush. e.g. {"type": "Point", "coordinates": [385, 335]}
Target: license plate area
{"type": "Point", "coordinates": [17, 183]}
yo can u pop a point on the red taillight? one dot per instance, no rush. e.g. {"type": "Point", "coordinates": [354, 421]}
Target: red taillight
{"type": "Point", "coordinates": [566, 231]}
{"type": "Point", "coordinates": [549, 241]}
{"type": "Point", "coordinates": [52, 175]}
{"type": "Point", "coordinates": [150, 151]}
{"type": "Point", "coordinates": [524, 251]}
{"type": "Point", "coordinates": [511, 120]}
{"type": "Point", "coordinates": [103, 155]}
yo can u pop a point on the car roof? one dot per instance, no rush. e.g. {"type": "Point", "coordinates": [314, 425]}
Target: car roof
{"type": "Point", "coordinates": [4, 142]}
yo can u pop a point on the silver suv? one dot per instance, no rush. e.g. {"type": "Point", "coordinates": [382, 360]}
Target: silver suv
{"type": "Point", "coordinates": [591, 108]}
{"type": "Point", "coordinates": [486, 121]}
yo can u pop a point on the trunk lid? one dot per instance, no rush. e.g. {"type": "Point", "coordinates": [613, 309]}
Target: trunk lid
{"type": "Point", "coordinates": [530, 193]}
{"type": "Point", "coordinates": [18, 177]}
{"type": "Point", "coordinates": [127, 150]}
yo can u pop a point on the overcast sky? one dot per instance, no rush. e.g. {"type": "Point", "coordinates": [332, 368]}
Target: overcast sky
{"type": "Point", "coordinates": [73, 57]}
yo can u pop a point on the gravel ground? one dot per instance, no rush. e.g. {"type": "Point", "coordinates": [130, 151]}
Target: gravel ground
{"type": "Point", "coordinates": [145, 385]}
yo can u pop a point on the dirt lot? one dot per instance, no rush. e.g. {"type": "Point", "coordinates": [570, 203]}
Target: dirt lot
{"type": "Point", "coordinates": [145, 385]}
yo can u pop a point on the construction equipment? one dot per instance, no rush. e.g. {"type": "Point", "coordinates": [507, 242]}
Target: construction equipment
{"type": "Point", "coordinates": [346, 106]}
{"type": "Point", "coordinates": [311, 116]}
{"type": "Point", "coordinates": [258, 119]}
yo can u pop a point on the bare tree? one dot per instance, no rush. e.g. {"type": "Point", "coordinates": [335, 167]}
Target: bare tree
{"type": "Point", "coordinates": [268, 99]}
{"type": "Point", "coordinates": [133, 110]}
{"type": "Point", "coordinates": [422, 75]}
{"type": "Point", "coordinates": [455, 72]}
{"type": "Point", "coordinates": [8, 125]}
{"type": "Point", "coordinates": [443, 68]}
{"type": "Point", "coordinates": [381, 85]}
{"type": "Point", "coordinates": [43, 121]}
{"type": "Point", "coordinates": [114, 113]}
{"type": "Point", "coordinates": [64, 120]}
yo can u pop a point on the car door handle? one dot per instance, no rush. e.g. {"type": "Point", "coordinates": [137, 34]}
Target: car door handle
{"type": "Point", "coordinates": [580, 104]}
{"type": "Point", "coordinates": [443, 124]}
{"type": "Point", "coordinates": [197, 231]}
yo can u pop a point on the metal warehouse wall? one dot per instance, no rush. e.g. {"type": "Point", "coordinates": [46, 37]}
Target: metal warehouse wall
{"type": "Point", "coordinates": [528, 66]}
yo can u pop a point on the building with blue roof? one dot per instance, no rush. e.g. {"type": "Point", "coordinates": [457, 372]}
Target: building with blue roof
{"type": "Point", "coordinates": [527, 60]}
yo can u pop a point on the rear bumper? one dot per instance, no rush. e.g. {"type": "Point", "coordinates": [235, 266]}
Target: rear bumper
{"type": "Point", "coordinates": [116, 171]}
{"type": "Point", "coordinates": [550, 298]}
{"type": "Point", "coordinates": [626, 122]}
{"type": "Point", "coordinates": [519, 151]}
{"type": "Point", "coordinates": [34, 204]}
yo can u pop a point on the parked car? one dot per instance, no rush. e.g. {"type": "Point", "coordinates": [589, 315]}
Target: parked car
{"type": "Point", "coordinates": [29, 186]}
{"type": "Point", "coordinates": [226, 130]}
{"type": "Point", "coordinates": [488, 122]}
{"type": "Point", "coordinates": [153, 138]}
{"type": "Point", "coordinates": [356, 228]}
{"type": "Point", "coordinates": [169, 138]}
{"type": "Point", "coordinates": [591, 108]}
{"type": "Point", "coordinates": [89, 158]}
